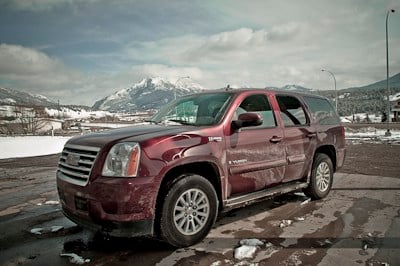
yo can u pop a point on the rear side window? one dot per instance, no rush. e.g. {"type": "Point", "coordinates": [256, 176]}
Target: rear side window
{"type": "Point", "coordinates": [322, 110]}
{"type": "Point", "coordinates": [292, 111]}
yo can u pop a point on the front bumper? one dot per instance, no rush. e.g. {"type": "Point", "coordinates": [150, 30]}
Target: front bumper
{"type": "Point", "coordinates": [123, 207]}
{"type": "Point", "coordinates": [112, 228]}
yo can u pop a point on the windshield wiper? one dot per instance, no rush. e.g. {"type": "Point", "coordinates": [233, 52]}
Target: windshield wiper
{"type": "Point", "coordinates": [182, 122]}
{"type": "Point", "coordinates": [152, 121]}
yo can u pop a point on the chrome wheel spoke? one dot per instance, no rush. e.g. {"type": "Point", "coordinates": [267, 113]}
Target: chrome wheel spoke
{"type": "Point", "coordinates": [187, 226]}
{"type": "Point", "coordinates": [179, 208]}
{"type": "Point", "coordinates": [196, 194]}
{"type": "Point", "coordinates": [198, 220]}
{"type": "Point", "coordinates": [182, 222]}
{"type": "Point", "coordinates": [202, 214]}
{"type": "Point", "coordinates": [193, 225]}
{"type": "Point", "coordinates": [179, 216]}
{"type": "Point", "coordinates": [200, 200]}
{"type": "Point", "coordinates": [181, 201]}
{"type": "Point", "coordinates": [202, 206]}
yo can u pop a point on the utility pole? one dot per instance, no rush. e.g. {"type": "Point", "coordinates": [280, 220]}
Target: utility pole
{"type": "Point", "coordinates": [336, 98]}
{"type": "Point", "coordinates": [387, 75]}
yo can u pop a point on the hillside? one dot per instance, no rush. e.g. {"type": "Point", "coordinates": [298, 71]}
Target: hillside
{"type": "Point", "coordinates": [16, 97]}
{"type": "Point", "coordinates": [370, 98]}
{"type": "Point", "coordinates": [394, 82]}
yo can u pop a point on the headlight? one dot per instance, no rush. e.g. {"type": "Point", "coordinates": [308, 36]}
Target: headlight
{"type": "Point", "coordinates": [122, 160]}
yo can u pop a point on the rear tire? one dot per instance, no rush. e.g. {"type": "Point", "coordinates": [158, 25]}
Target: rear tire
{"type": "Point", "coordinates": [321, 177]}
{"type": "Point", "coordinates": [189, 211]}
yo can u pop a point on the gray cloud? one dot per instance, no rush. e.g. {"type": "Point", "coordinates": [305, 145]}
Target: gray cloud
{"type": "Point", "coordinates": [42, 5]}
{"type": "Point", "coordinates": [36, 72]}
{"type": "Point", "coordinates": [21, 61]}
{"type": "Point", "coordinates": [82, 50]}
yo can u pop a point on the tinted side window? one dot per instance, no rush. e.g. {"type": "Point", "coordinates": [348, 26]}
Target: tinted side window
{"type": "Point", "coordinates": [258, 103]}
{"type": "Point", "coordinates": [322, 110]}
{"type": "Point", "coordinates": [292, 112]}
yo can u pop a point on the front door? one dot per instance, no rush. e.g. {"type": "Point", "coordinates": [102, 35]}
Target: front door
{"type": "Point", "coordinates": [255, 155]}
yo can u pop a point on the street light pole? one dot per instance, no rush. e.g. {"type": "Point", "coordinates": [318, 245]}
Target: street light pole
{"type": "Point", "coordinates": [176, 82]}
{"type": "Point", "coordinates": [387, 75]}
{"type": "Point", "coordinates": [333, 75]}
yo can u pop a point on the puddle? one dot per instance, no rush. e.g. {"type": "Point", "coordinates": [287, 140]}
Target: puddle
{"type": "Point", "coordinates": [104, 250]}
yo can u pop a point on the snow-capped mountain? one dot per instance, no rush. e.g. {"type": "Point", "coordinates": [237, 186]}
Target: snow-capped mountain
{"type": "Point", "coordinates": [16, 97]}
{"type": "Point", "coordinates": [295, 88]}
{"type": "Point", "coordinates": [150, 93]}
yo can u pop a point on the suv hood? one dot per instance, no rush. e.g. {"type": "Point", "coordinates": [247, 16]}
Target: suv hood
{"type": "Point", "coordinates": [134, 133]}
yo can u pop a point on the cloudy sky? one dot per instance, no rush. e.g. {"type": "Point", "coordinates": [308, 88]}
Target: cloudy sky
{"type": "Point", "coordinates": [79, 51]}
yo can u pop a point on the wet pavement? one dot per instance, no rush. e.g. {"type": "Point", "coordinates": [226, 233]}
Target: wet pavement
{"type": "Point", "coordinates": [357, 224]}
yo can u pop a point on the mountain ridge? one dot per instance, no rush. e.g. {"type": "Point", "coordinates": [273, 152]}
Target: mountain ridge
{"type": "Point", "coordinates": [150, 93]}
{"type": "Point", "coordinates": [12, 97]}
{"type": "Point", "coordinates": [394, 82]}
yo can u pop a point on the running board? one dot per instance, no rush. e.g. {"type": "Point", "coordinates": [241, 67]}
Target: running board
{"type": "Point", "coordinates": [243, 200]}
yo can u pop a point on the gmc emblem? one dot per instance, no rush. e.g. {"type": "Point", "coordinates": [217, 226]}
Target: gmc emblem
{"type": "Point", "coordinates": [72, 159]}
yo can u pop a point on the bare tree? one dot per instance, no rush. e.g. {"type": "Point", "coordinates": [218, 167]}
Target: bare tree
{"type": "Point", "coordinates": [27, 120]}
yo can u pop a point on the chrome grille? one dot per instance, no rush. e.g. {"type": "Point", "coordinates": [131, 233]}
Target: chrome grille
{"type": "Point", "coordinates": [76, 163]}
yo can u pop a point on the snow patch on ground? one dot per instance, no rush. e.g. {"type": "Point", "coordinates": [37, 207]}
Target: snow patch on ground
{"type": "Point", "coordinates": [52, 229]}
{"type": "Point", "coordinates": [76, 114]}
{"type": "Point", "coordinates": [13, 147]}
{"type": "Point", "coordinates": [372, 135]}
{"type": "Point", "coordinates": [36, 231]}
{"type": "Point", "coordinates": [248, 248]}
{"type": "Point", "coordinates": [245, 252]}
{"type": "Point", "coordinates": [74, 258]}
{"type": "Point", "coordinates": [220, 263]}
{"type": "Point", "coordinates": [251, 242]}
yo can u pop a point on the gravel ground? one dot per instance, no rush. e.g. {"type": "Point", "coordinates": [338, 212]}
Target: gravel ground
{"type": "Point", "coordinates": [372, 159]}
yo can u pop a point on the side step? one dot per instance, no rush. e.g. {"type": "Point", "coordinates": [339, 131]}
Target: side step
{"type": "Point", "coordinates": [243, 200]}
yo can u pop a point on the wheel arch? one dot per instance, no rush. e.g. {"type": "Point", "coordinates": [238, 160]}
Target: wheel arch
{"type": "Point", "coordinates": [208, 170]}
{"type": "Point", "coordinates": [330, 151]}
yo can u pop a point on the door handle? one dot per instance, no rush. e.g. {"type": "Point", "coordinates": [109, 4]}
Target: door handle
{"type": "Point", "coordinates": [275, 139]}
{"type": "Point", "coordinates": [311, 134]}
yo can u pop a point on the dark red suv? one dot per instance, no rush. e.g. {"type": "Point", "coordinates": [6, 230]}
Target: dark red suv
{"type": "Point", "coordinates": [200, 155]}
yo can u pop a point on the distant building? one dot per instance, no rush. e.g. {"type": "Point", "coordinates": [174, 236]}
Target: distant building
{"type": "Point", "coordinates": [395, 105]}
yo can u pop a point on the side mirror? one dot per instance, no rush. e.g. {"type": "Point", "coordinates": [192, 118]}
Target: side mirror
{"type": "Point", "coordinates": [247, 120]}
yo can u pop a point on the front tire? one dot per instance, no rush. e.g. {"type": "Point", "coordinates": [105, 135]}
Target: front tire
{"type": "Point", "coordinates": [321, 177]}
{"type": "Point", "coordinates": [189, 211]}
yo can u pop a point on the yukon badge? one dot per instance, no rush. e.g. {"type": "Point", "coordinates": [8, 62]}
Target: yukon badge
{"type": "Point", "coordinates": [236, 162]}
{"type": "Point", "coordinates": [215, 139]}
{"type": "Point", "coordinates": [72, 159]}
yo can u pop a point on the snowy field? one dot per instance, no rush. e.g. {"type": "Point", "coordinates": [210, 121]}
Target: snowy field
{"type": "Point", "coordinates": [371, 135]}
{"type": "Point", "coordinates": [13, 147]}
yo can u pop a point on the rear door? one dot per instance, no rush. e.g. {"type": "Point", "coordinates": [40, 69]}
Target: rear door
{"type": "Point", "coordinates": [255, 155]}
{"type": "Point", "coordinates": [299, 137]}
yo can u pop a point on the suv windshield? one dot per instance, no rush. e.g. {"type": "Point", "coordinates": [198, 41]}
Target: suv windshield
{"type": "Point", "coordinates": [197, 110]}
